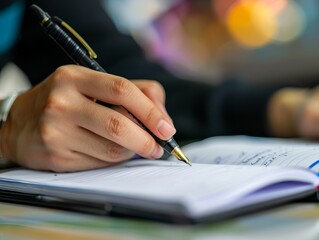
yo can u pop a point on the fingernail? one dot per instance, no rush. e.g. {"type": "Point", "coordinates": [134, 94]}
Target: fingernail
{"type": "Point", "coordinates": [165, 129]}
{"type": "Point", "coordinates": [158, 152]}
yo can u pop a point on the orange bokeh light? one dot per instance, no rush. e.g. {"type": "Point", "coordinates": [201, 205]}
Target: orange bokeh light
{"type": "Point", "coordinates": [252, 23]}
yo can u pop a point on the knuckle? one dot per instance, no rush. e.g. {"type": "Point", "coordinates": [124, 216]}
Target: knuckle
{"type": "Point", "coordinates": [63, 72]}
{"type": "Point", "coordinates": [151, 114]}
{"type": "Point", "coordinates": [156, 86]}
{"type": "Point", "coordinates": [121, 86]}
{"type": "Point", "coordinates": [59, 74]}
{"type": "Point", "coordinates": [114, 127]}
{"type": "Point", "coordinates": [56, 103]}
{"type": "Point", "coordinates": [115, 152]}
{"type": "Point", "coordinates": [147, 147]}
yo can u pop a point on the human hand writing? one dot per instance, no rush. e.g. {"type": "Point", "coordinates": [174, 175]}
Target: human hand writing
{"type": "Point", "coordinates": [58, 126]}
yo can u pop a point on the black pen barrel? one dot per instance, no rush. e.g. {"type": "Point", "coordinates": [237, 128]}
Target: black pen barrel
{"type": "Point", "coordinates": [70, 47]}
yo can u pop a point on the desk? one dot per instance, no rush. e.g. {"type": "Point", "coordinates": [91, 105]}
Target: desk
{"type": "Point", "coordinates": [294, 222]}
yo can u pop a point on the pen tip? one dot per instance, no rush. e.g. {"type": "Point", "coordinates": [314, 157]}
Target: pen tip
{"type": "Point", "coordinates": [178, 153]}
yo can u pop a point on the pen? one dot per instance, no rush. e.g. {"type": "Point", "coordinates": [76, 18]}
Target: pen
{"type": "Point", "coordinates": [84, 55]}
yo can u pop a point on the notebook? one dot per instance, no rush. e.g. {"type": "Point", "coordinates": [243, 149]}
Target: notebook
{"type": "Point", "coordinates": [228, 177]}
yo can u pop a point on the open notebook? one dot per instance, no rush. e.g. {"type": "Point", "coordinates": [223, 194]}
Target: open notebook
{"type": "Point", "coordinates": [173, 191]}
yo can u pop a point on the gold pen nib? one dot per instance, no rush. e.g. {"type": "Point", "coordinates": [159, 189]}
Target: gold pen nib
{"type": "Point", "coordinates": [178, 153]}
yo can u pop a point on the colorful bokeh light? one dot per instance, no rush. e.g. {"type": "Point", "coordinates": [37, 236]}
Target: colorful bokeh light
{"type": "Point", "coordinates": [252, 23]}
{"type": "Point", "coordinates": [291, 22]}
{"type": "Point", "coordinates": [255, 23]}
{"type": "Point", "coordinates": [276, 5]}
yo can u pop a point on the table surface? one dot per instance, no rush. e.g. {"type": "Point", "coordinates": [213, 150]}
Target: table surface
{"type": "Point", "coordinates": [298, 221]}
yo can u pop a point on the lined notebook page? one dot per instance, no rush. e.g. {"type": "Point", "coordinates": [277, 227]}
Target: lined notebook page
{"type": "Point", "coordinates": [154, 180]}
{"type": "Point", "coordinates": [242, 150]}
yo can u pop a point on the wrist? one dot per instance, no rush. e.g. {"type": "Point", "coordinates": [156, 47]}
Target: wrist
{"type": "Point", "coordinates": [5, 107]}
{"type": "Point", "coordinates": [283, 110]}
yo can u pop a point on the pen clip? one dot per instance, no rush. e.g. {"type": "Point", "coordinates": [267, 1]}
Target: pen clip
{"type": "Point", "coordinates": [71, 30]}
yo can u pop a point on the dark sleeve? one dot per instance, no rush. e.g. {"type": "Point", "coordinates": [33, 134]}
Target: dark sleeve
{"type": "Point", "coordinates": [198, 110]}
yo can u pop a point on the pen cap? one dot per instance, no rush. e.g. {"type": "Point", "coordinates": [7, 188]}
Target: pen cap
{"type": "Point", "coordinates": [69, 45]}
{"type": "Point", "coordinates": [42, 15]}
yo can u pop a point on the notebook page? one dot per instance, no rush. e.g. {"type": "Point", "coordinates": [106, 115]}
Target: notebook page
{"type": "Point", "coordinates": [157, 181]}
{"type": "Point", "coordinates": [242, 150]}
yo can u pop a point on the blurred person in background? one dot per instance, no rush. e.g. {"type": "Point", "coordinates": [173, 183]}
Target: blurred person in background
{"type": "Point", "coordinates": [57, 126]}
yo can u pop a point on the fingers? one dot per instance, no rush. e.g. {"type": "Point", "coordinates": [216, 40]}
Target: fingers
{"type": "Point", "coordinates": [155, 92]}
{"type": "Point", "coordinates": [117, 128]}
{"type": "Point", "coordinates": [77, 162]}
{"type": "Point", "coordinates": [119, 91]}
{"type": "Point", "coordinates": [152, 89]}
{"type": "Point", "coordinates": [125, 113]}
{"type": "Point", "coordinates": [98, 147]}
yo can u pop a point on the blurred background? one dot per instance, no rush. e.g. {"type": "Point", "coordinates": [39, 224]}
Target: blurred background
{"type": "Point", "coordinates": [213, 40]}
{"type": "Point", "coordinates": [210, 40]}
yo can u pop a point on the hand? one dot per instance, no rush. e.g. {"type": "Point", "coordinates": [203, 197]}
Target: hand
{"type": "Point", "coordinates": [58, 126]}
